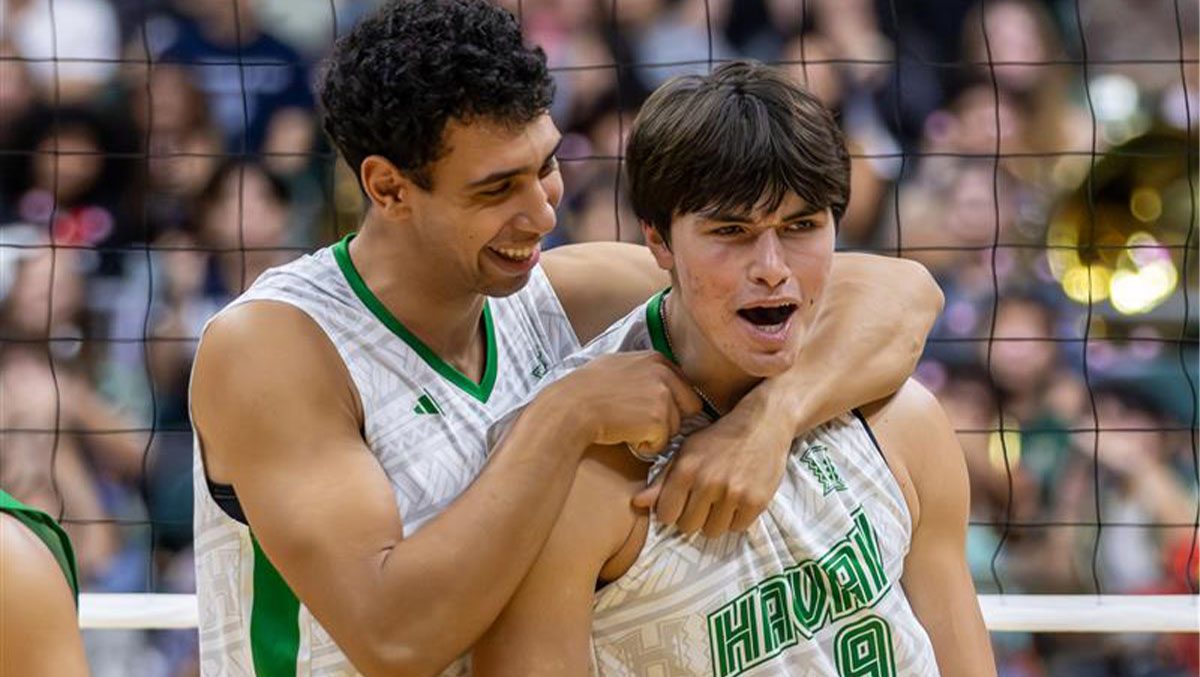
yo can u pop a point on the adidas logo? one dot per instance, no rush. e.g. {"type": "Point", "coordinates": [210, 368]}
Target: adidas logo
{"type": "Point", "coordinates": [426, 405]}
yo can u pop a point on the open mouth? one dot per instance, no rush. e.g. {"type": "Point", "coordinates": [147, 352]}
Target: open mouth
{"type": "Point", "coordinates": [768, 317]}
{"type": "Point", "coordinates": [516, 254]}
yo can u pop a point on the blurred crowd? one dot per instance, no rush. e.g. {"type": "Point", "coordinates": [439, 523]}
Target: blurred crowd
{"type": "Point", "coordinates": [157, 155]}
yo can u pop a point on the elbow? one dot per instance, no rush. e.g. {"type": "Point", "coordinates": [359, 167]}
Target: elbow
{"type": "Point", "coordinates": [403, 649]}
{"type": "Point", "coordinates": [925, 289]}
{"type": "Point", "coordinates": [394, 659]}
{"type": "Point", "coordinates": [927, 303]}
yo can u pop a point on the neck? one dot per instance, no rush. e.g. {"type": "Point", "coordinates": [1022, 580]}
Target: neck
{"type": "Point", "coordinates": [445, 317]}
{"type": "Point", "coordinates": [705, 367]}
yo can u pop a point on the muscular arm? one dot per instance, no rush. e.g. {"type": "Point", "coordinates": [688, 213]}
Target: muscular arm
{"type": "Point", "coordinates": [862, 346]}
{"type": "Point", "coordinates": [598, 283]}
{"type": "Point", "coordinates": [39, 632]}
{"type": "Point", "coordinates": [924, 453]}
{"type": "Point", "coordinates": [279, 420]}
{"type": "Point", "coordinates": [546, 628]}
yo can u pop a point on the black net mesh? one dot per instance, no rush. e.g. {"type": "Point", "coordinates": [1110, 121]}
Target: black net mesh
{"type": "Point", "coordinates": [1038, 156]}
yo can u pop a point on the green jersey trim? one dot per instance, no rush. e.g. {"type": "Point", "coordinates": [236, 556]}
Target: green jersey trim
{"type": "Point", "coordinates": [658, 333]}
{"type": "Point", "coordinates": [658, 338]}
{"type": "Point", "coordinates": [480, 391]}
{"type": "Point", "coordinates": [274, 620]}
{"type": "Point", "coordinates": [49, 532]}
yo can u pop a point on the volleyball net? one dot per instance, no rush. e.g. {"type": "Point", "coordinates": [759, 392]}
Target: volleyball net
{"type": "Point", "coordinates": [1038, 156]}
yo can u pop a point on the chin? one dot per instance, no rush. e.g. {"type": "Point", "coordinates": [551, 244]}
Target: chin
{"type": "Point", "coordinates": [768, 366]}
{"type": "Point", "coordinates": [504, 287]}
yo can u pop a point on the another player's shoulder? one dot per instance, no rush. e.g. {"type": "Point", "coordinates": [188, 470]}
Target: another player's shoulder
{"type": "Point", "coordinates": [39, 630]}
{"type": "Point", "coordinates": [28, 568]}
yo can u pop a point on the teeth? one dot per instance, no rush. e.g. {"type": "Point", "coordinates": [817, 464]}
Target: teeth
{"type": "Point", "coordinates": [515, 253]}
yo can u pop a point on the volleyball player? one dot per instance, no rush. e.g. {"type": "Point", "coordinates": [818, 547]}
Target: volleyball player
{"type": "Point", "coordinates": [39, 628]}
{"type": "Point", "coordinates": [345, 519]}
{"type": "Point", "coordinates": [858, 566]}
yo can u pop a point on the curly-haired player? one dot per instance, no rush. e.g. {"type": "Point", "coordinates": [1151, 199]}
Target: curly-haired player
{"type": "Point", "coordinates": [348, 516]}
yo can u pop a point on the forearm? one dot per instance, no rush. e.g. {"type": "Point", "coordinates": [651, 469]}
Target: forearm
{"type": "Point", "coordinates": [462, 568]}
{"type": "Point", "coordinates": [862, 346]}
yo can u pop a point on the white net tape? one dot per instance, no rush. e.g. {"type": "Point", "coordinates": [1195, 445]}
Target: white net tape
{"type": "Point", "coordinates": [1002, 613]}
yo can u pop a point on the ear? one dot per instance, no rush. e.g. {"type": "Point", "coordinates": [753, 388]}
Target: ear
{"type": "Point", "coordinates": [658, 247]}
{"type": "Point", "coordinates": [385, 185]}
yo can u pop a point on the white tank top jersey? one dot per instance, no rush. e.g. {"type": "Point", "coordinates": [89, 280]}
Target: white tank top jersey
{"type": "Point", "coordinates": [813, 588]}
{"type": "Point", "coordinates": [425, 422]}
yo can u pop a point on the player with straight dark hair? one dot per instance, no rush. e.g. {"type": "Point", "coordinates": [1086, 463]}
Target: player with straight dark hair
{"type": "Point", "coordinates": [858, 565]}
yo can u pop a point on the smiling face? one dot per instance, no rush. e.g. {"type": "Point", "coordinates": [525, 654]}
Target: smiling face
{"type": "Point", "coordinates": [492, 200]}
{"type": "Point", "coordinates": [746, 286]}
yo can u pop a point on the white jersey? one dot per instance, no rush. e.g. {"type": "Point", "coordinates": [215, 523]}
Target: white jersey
{"type": "Point", "coordinates": [424, 421]}
{"type": "Point", "coordinates": [813, 588]}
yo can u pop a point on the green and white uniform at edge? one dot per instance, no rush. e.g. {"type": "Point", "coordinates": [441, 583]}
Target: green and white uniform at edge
{"type": "Point", "coordinates": [425, 422]}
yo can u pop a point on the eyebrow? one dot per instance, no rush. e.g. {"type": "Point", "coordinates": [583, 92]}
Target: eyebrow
{"type": "Point", "coordinates": [727, 217]}
{"type": "Point", "coordinates": [508, 173]}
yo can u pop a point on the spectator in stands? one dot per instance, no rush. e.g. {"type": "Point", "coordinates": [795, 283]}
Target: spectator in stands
{"type": "Point", "coordinates": [63, 440]}
{"type": "Point", "coordinates": [257, 87]}
{"type": "Point", "coordinates": [70, 177]}
{"type": "Point", "coordinates": [83, 35]}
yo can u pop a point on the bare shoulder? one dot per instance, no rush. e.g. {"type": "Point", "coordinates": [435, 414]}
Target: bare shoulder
{"type": "Point", "coordinates": [28, 564]}
{"type": "Point", "coordinates": [266, 356]}
{"type": "Point", "coordinates": [38, 627]}
{"type": "Point", "coordinates": [918, 441]}
{"type": "Point", "coordinates": [599, 520]}
{"type": "Point", "coordinates": [908, 420]}
{"type": "Point", "coordinates": [599, 282]}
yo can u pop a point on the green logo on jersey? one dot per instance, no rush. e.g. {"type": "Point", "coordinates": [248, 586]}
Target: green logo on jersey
{"type": "Point", "coordinates": [426, 405]}
{"type": "Point", "coordinates": [784, 609]}
{"type": "Point", "coordinates": [820, 465]}
{"type": "Point", "coordinates": [542, 366]}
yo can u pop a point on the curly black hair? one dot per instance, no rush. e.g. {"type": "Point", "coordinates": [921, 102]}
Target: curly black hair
{"type": "Point", "coordinates": [392, 83]}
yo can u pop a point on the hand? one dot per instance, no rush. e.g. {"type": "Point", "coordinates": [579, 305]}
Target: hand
{"type": "Point", "coordinates": [636, 398]}
{"type": "Point", "coordinates": [724, 476]}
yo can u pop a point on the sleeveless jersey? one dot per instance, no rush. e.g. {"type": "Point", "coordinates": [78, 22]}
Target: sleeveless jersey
{"type": "Point", "coordinates": [49, 532]}
{"type": "Point", "coordinates": [812, 588]}
{"type": "Point", "coordinates": [424, 421]}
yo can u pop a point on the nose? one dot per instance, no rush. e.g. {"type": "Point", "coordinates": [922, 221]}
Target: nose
{"type": "Point", "coordinates": [539, 211]}
{"type": "Point", "coordinates": [769, 266]}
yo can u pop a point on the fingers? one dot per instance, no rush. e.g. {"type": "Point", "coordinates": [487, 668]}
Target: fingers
{"type": "Point", "coordinates": [673, 495]}
{"type": "Point", "coordinates": [646, 498]}
{"type": "Point", "coordinates": [720, 517]}
{"type": "Point", "coordinates": [695, 513]}
{"type": "Point", "coordinates": [743, 518]}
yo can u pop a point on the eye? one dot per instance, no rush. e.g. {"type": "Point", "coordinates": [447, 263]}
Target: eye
{"type": "Point", "coordinates": [800, 226]}
{"type": "Point", "coordinates": [499, 190]}
{"type": "Point", "coordinates": [727, 231]}
{"type": "Point", "coordinates": [550, 167]}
